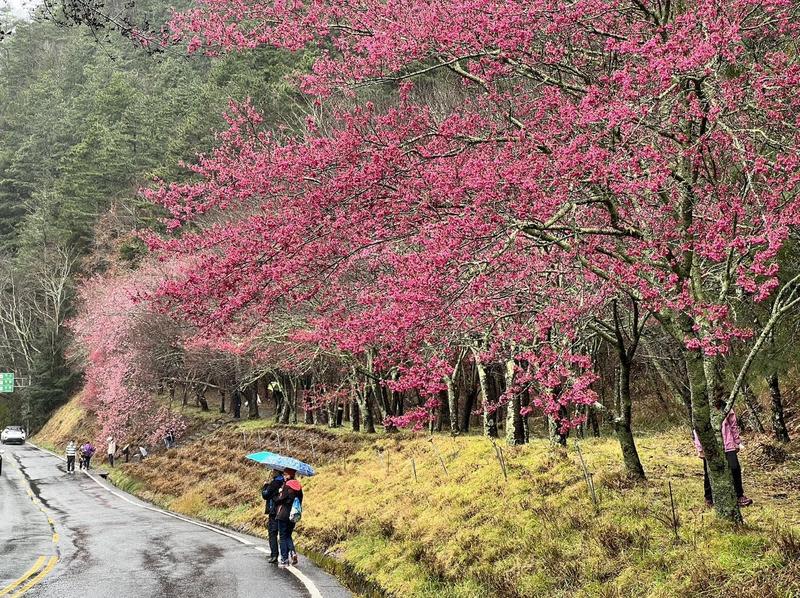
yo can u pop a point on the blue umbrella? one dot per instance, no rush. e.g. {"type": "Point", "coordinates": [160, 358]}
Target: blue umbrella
{"type": "Point", "coordinates": [279, 462]}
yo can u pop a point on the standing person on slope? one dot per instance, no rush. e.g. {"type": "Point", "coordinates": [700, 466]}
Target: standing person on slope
{"type": "Point", "coordinates": [732, 443]}
{"type": "Point", "coordinates": [290, 491]}
{"type": "Point", "coordinates": [269, 493]}
{"type": "Point", "coordinates": [70, 452]}
{"type": "Point", "coordinates": [112, 450]}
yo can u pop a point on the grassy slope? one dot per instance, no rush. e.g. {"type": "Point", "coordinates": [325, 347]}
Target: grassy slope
{"type": "Point", "coordinates": [469, 533]}
{"type": "Point", "coordinates": [70, 421]}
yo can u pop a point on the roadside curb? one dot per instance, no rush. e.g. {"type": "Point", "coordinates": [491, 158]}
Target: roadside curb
{"type": "Point", "coordinates": [303, 577]}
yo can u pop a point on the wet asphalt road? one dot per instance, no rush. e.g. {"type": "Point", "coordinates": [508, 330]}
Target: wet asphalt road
{"type": "Point", "coordinates": [89, 543]}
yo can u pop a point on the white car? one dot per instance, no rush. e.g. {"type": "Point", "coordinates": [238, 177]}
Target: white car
{"type": "Point", "coordinates": [12, 434]}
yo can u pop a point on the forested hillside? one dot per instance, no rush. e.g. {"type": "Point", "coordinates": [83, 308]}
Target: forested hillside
{"type": "Point", "coordinates": [86, 122]}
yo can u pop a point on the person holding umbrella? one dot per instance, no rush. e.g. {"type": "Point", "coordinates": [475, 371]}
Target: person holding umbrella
{"type": "Point", "coordinates": [287, 516]}
{"type": "Point", "coordinates": [269, 493]}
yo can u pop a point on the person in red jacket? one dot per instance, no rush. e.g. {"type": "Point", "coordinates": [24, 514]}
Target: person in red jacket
{"type": "Point", "coordinates": [290, 491]}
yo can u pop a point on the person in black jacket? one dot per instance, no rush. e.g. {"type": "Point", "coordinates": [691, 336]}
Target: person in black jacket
{"type": "Point", "coordinates": [291, 489]}
{"type": "Point", "coordinates": [270, 492]}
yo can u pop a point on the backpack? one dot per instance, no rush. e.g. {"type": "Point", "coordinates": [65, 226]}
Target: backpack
{"type": "Point", "coordinates": [297, 510]}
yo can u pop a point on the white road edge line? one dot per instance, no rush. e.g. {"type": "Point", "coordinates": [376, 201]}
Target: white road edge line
{"type": "Point", "coordinates": [309, 585]}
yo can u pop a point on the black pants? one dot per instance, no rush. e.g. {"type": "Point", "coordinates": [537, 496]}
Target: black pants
{"type": "Point", "coordinates": [272, 529]}
{"type": "Point", "coordinates": [111, 459]}
{"type": "Point", "coordinates": [736, 471]}
{"type": "Point", "coordinates": [70, 462]}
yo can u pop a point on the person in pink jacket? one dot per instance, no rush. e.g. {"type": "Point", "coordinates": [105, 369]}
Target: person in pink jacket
{"type": "Point", "coordinates": [733, 443]}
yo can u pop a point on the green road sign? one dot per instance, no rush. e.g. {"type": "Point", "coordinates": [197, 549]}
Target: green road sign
{"type": "Point", "coordinates": [6, 382]}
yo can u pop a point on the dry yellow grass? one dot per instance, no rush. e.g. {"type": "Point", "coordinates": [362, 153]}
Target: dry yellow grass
{"type": "Point", "coordinates": [468, 533]}
{"type": "Point", "coordinates": [70, 421]}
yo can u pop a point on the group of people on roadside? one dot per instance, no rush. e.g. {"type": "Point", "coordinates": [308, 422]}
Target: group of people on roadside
{"type": "Point", "coordinates": [87, 450]}
{"type": "Point", "coordinates": [84, 452]}
{"type": "Point", "coordinates": [284, 506]}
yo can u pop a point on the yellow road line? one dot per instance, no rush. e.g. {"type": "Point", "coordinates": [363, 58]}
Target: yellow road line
{"type": "Point", "coordinates": [39, 562]}
{"type": "Point", "coordinates": [42, 574]}
{"type": "Point", "coordinates": [55, 537]}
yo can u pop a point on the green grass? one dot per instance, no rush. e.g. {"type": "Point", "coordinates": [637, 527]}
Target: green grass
{"type": "Point", "coordinates": [468, 533]}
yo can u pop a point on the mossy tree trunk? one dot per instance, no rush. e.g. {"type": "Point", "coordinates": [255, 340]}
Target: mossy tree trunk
{"type": "Point", "coordinates": [700, 370]}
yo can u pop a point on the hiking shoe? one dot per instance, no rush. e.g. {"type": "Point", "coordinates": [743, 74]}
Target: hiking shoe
{"type": "Point", "coordinates": [293, 557]}
{"type": "Point", "coordinates": [273, 560]}
{"type": "Point", "coordinates": [283, 564]}
{"type": "Point", "coordinates": [709, 503]}
{"type": "Point", "coordinates": [745, 502]}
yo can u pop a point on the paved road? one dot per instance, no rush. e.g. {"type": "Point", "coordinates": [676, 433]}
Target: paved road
{"type": "Point", "coordinates": [75, 538]}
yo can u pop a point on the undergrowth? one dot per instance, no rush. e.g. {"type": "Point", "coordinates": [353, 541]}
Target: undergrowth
{"type": "Point", "coordinates": [415, 517]}
{"type": "Point", "coordinates": [460, 530]}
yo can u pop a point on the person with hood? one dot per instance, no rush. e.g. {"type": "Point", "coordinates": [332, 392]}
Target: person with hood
{"type": "Point", "coordinates": [269, 493]}
{"type": "Point", "coordinates": [732, 445]}
{"type": "Point", "coordinates": [70, 453]}
{"type": "Point", "coordinates": [290, 491]}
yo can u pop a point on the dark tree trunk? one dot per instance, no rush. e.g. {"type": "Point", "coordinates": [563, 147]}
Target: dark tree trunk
{"type": "Point", "coordinates": [222, 400]}
{"type": "Point", "coordinates": [622, 423]}
{"type": "Point", "coordinates": [594, 423]}
{"type": "Point", "coordinates": [753, 407]}
{"type": "Point", "coordinates": [444, 410]}
{"type": "Point", "coordinates": [778, 421]}
{"type": "Point", "coordinates": [252, 403]}
{"type": "Point", "coordinates": [469, 406]}
{"type": "Point", "coordinates": [279, 399]}
{"type": "Point", "coordinates": [200, 397]}
{"type": "Point", "coordinates": [355, 416]}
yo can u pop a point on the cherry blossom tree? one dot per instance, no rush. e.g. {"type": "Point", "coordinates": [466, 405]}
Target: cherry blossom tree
{"type": "Point", "coordinates": [643, 147]}
{"type": "Point", "coordinates": [117, 354]}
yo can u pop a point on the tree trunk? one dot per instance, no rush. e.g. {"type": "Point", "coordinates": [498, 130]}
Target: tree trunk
{"type": "Point", "coordinates": [452, 405]}
{"type": "Point", "coordinates": [753, 407]}
{"type": "Point", "coordinates": [200, 397]}
{"type": "Point", "coordinates": [515, 433]}
{"type": "Point", "coordinates": [362, 398]}
{"type": "Point", "coordinates": [469, 406]}
{"type": "Point", "coordinates": [778, 421]}
{"type": "Point", "coordinates": [279, 399]}
{"type": "Point", "coordinates": [708, 432]}
{"type": "Point", "coordinates": [489, 407]}
{"type": "Point", "coordinates": [556, 437]}
{"type": "Point", "coordinates": [252, 403]}
{"type": "Point", "coordinates": [221, 400]}
{"type": "Point", "coordinates": [355, 416]}
{"type": "Point", "coordinates": [622, 422]}
{"type": "Point", "coordinates": [444, 410]}
{"type": "Point", "coordinates": [526, 427]}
